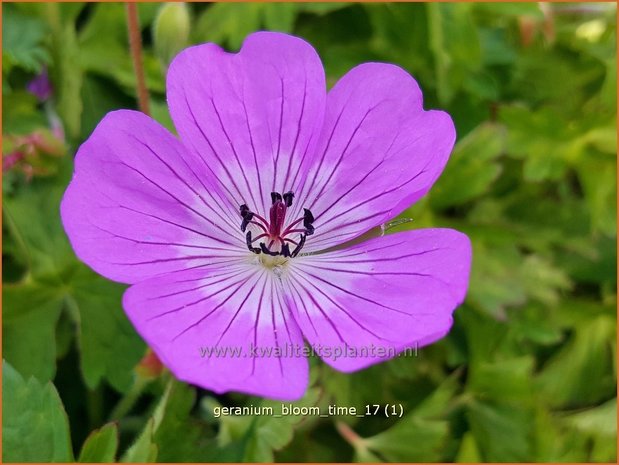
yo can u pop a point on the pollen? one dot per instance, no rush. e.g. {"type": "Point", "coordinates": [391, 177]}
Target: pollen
{"type": "Point", "coordinates": [275, 263]}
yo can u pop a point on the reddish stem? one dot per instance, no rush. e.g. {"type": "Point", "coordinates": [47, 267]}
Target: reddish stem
{"type": "Point", "coordinates": [135, 44]}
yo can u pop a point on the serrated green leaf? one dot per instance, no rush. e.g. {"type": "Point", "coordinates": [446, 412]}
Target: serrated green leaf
{"type": "Point", "coordinates": [270, 433]}
{"type": "Point", "coordinates": [468, 452]}
{"type": "Point", "coordinates": [35, 427]}
{"type": "Point", "coordinates": [29, 320]}
{"type": "Point", "coordinates": [228, 23]}
{"type": "Point", "coordinates": [22, 41]}
{"type": "Point", "coordinates": [471, 170]}
{"type": "Point", "coordinates": [101, 445]}
{"type": "Point", "coordinates": [565, 381]}
{"type": "Point", "coordinates": [412, 439]}
{"type": "Point", "coordinates": [109, 346]}
{"type": "Point", "coordinates": [501, 410]}
{"type": "Point", "coordinates": [143, 449]}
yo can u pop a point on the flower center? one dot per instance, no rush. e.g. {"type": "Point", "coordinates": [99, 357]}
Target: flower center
{"type": "Point", "coordinates": [275, 237]}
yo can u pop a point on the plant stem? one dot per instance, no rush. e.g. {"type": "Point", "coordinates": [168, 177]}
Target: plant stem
{"type": "Point", "coordinates": [348, 434]}
{"type": "Point", "coordinates": [127, 402]}
{"type": "Point", "coordinates": [135, 44]}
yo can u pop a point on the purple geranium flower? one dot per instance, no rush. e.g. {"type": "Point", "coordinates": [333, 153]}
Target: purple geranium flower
{"type": "Point", "coordinates": [237, 236]}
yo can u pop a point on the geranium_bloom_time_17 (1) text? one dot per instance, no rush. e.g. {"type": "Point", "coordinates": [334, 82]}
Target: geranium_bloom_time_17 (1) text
{"type": "Point", "coordinates": [246, 230]}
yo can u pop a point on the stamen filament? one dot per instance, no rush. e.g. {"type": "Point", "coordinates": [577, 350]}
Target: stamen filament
{"type": "Point", "coordinates": [259, 237]}
{"type": "Point", "coordinates": [260, 225]}
{"type": "Point", "coordinates": [294, 231]}
{"type": "Point", "coordinates": [266, 223]}
{"type": "Point", "coordinates": [294, 223]}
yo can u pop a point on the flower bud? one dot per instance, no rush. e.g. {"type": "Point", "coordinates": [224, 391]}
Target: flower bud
{"type": "Point", "coordinates": [171, 31]}
{"type": "Point", "coordinates": [150, 366]}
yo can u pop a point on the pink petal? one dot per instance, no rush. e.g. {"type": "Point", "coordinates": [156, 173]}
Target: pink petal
{"type": "Point", "coordinates": [379, 152]}
{"type": "Point", "coordinates": [253, 116]}
{"type": "Point", "coordinates": [393, 292]}
{"type": "Point", "coordinates": [138, 206]}
{"type": "Point", "coordinates": [230, 308]}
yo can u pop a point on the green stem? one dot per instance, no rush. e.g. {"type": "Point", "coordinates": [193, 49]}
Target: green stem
{"type": "Point", "coordinates": [94, 402]}
{"type": "Point", "coordinates": [127, 402]}
{"type": "Point", "coordinates": [14, 231]}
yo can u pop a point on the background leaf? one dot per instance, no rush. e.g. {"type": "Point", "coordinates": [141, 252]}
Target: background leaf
{"type": "Point", "coordinates": [35, 425]}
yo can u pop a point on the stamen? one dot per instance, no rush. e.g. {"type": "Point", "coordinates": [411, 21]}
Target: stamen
{"type": "Point", "coordinates": [288, 196]}
{"type": "Point", "coordinates": [285, 250]}
{"type": "Point", "coordinates": [260, 225]}
{"type": "Point", "coordinates": [275, 229]}
{"type": "Point", "coordinates": [308, 219]}
{"type": "Point", "coordinates": [298, 248]}
{"type": "Point", "coordinates": [258, 237]}
{"type": "Point", "coordinates": [249, 241]}
{"type": "Point", "coordinates": [258, 217]}
{"type": "Point", "coordinates": [267, 251]}
{"type": "Point", "coordinates": [247, 215]}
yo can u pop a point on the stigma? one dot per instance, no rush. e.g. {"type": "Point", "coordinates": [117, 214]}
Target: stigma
{"type": "Point", "coordinates": [276, 234]}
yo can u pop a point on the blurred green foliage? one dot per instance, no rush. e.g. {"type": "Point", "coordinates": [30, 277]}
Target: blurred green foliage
{"type": "Point", "coordinates": [528, 372]}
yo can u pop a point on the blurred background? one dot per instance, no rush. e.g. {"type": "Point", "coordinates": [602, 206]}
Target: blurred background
{"type": "Point", "coordinates": [528, 372]}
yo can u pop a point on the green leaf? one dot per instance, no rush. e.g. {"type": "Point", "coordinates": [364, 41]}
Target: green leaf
{"type": "Point", "coordinates": [143, 449]}
{"type": "Point", "coordinates": [601, 420]}
{"type": "Point", "coordinates": [171, 434]}
{"type": "Point", "coordinates": [21, 115]}
{"type": "Point", "coordinates": [22, 41]}
{"type": "Point", "coordinates": [270, 433]}
{"type": "Point", "coordinates": [321, 8]}
{"type": "Point", "coordinates": [495, 279]}
{"type": "Point", "coordinates": [103, 40]}
{"type": "Point", "coordinates": [510, 9]}
{"type": "Point", "coordinates": [412, 439]}
{"type": "Point", "coordinates": [565, 380]}
{"type": "Point", "coordinates": [34, 221]}
{"type": "Point", "coordinates": [35, 427]}
{"type": "Point", "coordinates": [468, 452]}
{"type": "Point", "coordinates": [101, 445]}
{"type": "Point", "coordinates": [100, 96]}
{"type": "Point", "coordinates": [108, 344]}
{"type": "Point", "coordinates": [471, 170]}
{"type": "Point", "coordinates": [455, 43]}
{"type": "Point", "coordinates": [500, 414]}
{"type": "Point", "coordinates": [599, 181]}
{"type": "Point", "coordinates": [280, 16]}
{"type": "Point", "coordinates": [228, 23]}
{"type": "Point", "coordinates": [28, 328]}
